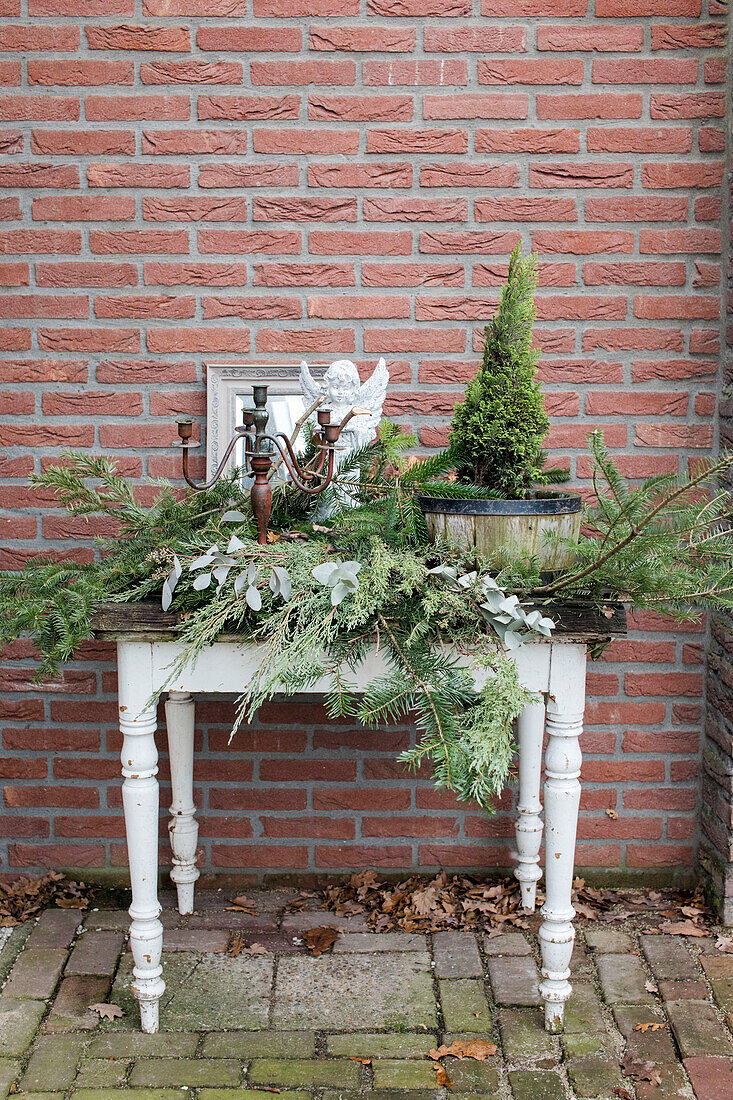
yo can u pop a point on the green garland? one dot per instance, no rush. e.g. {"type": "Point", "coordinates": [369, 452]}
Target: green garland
{"type": "Point", "coordinates": [326, 589]}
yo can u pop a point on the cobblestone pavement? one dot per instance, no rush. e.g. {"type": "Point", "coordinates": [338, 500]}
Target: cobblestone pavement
{"type": "Point", "coordinates": [360, 1019]}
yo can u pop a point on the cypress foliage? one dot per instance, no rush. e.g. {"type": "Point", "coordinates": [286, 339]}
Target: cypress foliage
{"type": "Point", "coordinates": [497, 430]}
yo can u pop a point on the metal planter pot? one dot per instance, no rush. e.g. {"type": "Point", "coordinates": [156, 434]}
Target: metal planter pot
{"type": "Point", "coordinates": [517, 526]}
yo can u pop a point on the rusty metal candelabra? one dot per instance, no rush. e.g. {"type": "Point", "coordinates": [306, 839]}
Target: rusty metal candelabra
{"type": "Point", "coordinates": [258, 456]}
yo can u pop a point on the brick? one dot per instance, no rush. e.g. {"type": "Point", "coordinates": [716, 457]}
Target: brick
{"type": "Point", "coordinates": [536, 71]}
{"type": "Point", "coordinates": [698, 1033]}
{"type": "Point", "coordinates": [385, 174]}
{"type": "Point", "coordinates": [69, 143]}
{"type": "Point", "coordinates": [191, 72]}
{"type": "Point", "coordinates": [667, 241]}
{"type": "Point", "coordinates": [247, 39]}
{"type": "Point", "coordinates": [416, 141]}
{"type": "Point", "coordinates": [589, 105]}
{"type": "Point", "coordinates": [298, 142]}
{"type": "Point", "coordinates": [19, 108]}
{"type": "Point", "coordinates": [468, 175]}
{"type": "Point", "coordinates": [635, 274]}
{"type": "Point", "coordinates": [185, 142]}
{"type": "Point", "coordinates": [649, 71]}
{"type": "Point", "coordinates": [244, 107]}
{"type": "Point", "coordinates": [158, 39]}
{"type": "Point", "coordinates": [688, 105]}
{"type": "Point", "coordinates": [84, 273]}
{"type": "Point", "coordinates": [194, 209]}
{"type": "Point", "coordinates": [30, 39]}
{"type": "Point", "coordinates": [78, 72]}
{"type": "Point", "coordinates": [637, 139]}
{"type": "Point", "coordinates": [528, 140]}
{"type": "Point", "coordinates": [705, 174]}
{"type": "Point", "coordinates": [138, 175]}
{"type": "Point", "coordinates": [573, 174]}
{"type": "Point", "coordinates": [467, 105]}
{"type": "Point", "coordinates": [69, 208]}
{"type": "Point", "coordinates": [173, 108]}
{"type": "Point", "coordinates": [614, 38]}
{"type": "Point", "coordinates": [694, 36]}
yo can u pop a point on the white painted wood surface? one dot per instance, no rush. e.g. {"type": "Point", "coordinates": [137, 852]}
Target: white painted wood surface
{"type": "Point", "coordinates": [555, 669]}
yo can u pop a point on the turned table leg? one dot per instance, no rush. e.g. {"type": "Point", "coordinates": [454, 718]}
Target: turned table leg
{"type": "Point", "coordinates": [565, 706]}
{"type": "Point", "coordinates": [139, 758]}
{"type": "Point", "coordinates": [530, 730]}
{"type": "Point", "coordinates": [182, 827]}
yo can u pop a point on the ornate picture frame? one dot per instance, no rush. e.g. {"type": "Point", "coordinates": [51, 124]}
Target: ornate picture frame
{"type": "Point", "coordinates": [229, 387]}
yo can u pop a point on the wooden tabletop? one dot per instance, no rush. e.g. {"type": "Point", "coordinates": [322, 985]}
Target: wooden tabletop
{"type": "Point", "coordinates": [581, 620]}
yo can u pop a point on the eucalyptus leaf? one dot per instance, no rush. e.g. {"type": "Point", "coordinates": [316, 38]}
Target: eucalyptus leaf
{"type": "Point", "coordinates": [280, 582]}
{"type": "Point", "coordinates": [170, 583]}
{"type": "Point", "coordinates": [220, 573]}
{"type": "Point", "coordinates": [240, 582]}
{"type": "Point", "coordinates": [338, 592]}
{"type": "Point", "coordinates": [253, 598]}
{"type": "Point", "coordinates": [251, 573]}
{"type": "Point", "coordinates": [324, 572]}
{"type": "Point", "coordinates": [233, 516]}
{"type": "Point", "coordinates": [234, 544]}
{"type": "Point", "coordinates": [202, 581]}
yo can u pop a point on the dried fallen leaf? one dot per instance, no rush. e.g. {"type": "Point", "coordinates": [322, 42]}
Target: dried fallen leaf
{"type": "Point", "coordinates": [318, 940]}
{"type": "Point", "coordinates": [650, 987]}
{"type": "Point", "coordinates": [72, 903]}
{"type": "Point", "coordinates": [640, 1070]}
{"type": "Point", "coordinates": [479, 1049]}
{"type": "Point", "coordinates": [240, 905]}
{"type": "Point", "coordinates": [647, 1027]}
{"type": "Point", "coordinates": [612, 814]}
{"type": "Point", "coordinates": [724, 943]}
{"type": "Point", "coordinates": [683, 928]}
{"type": "Point", "coordinates": [623, 1094]}
{"type": "Point", "coordinates": [361, 1061]}
{"type": "Point", "coordinates": [106, 1012]}
{"type": "Point", "coordinates": [442, 1080]}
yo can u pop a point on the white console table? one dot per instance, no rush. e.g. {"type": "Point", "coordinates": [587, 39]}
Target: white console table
{"type": "Point", "coordinates": [147, 646]}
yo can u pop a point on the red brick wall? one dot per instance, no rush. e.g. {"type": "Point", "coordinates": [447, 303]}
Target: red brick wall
{"type": "Point", "coordinates": [184, 179]}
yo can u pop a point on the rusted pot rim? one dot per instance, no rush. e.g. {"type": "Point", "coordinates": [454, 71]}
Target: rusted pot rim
{"type": "Point", "coordinates": [539, 504]}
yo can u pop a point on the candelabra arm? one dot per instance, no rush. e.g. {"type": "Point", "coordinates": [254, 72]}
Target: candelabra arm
{"type": "Point", "coordinates": [186, 447]}
{"type": "Point", "coordinates": [290, 461]}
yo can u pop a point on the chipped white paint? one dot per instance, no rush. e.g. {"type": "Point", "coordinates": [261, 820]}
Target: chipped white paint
{"type": "Point", "coordinates": [555, 669]}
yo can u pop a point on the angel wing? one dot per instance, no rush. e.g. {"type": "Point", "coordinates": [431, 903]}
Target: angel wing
{"type": "Point", "coordinates": [312, 390]}
{"type": "Point", "coordinates": [372, 395]}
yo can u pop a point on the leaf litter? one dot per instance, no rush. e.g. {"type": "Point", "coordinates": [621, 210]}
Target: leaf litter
{"type": "Point", "coordinates": [25, 897]}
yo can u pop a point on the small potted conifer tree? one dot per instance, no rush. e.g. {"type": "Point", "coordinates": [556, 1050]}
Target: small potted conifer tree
{"type": "Point", "coordinates": [495, 443]}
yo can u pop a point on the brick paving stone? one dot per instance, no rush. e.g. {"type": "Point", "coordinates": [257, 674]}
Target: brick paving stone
{"type": "Point", "coordinates": [12, 945]}
{"type": "Point", "coordinates": [100, 1073]}
{"type": "Point", "coordinates": [355, 991]}
{"type": "Point", "coordinates": [723, 994]}
{"type": "Point", "coordinates": [456, 955]}
{"type": "Point", "coordinates": [536, 1084]}
{"type": "Point", "coordinates": [8, 1072]}
{"type": "Point", "coordinates": [401, 1073]}
{"type": "Point", "coordinates": [608, 940]}
{"type": "Point", "coordinates": [53, 1063]}
{"type": "Point", "coordinates": [376, 1094]}
{"type": "Point", "coordinates": [683, 991]}
{"type": "Point", "coordinates": [583, 1010]}
{"type": "Point", "coordinates": [716, 966]}
{"type": "Point", "coordinates": [698, 1032]}
{"type": "Point", "coordinates": [652, 1046]}
{"type": "Point", "coordinates": [582, 1044]}
{"type": "Point", "coordinates": [176, 1072]}
{"type": "Point", "coordinates": [240, 922]}
{"type": "Point", "coordinates": [468, 1075]}
{"type": "Point", "coordinates": [523, 1036]}
{"type": "Point", "coordinates": [368, 942]}
{"type": "Point", "coordinates": [96, 953]}
{"type": "Point", "coordinates": [244, 1094]}
{"type": "Point", "coordinates": [70, 1010]}
{"type": "Point", "coordinates": [597, 1075]}
{"type": "Point", "coordinates": [508, 943]}
{"type": "Point", "coordinates": [114, 1094]}
{"type": "Point", "coordinates": [259, 1044]}
{"type": "Point", "coordinates": [464, 1005]}
{"type": "Point", "coordinates": [164, 1044]}
{"type": "Point", "coordinates": [672, 1086]}
{"type": "Point", "coordinates": [56, 928]}
{"type": "Point", "coordinates": [319, 918]}
{"type": "Point", "coordinates": [302, 1073]}
{"type": "Point", "coordinates": [514, 981]}
{"type": "Point", "coordinates": [18, 1023]}
{"type": "Point", "coordinates": [378, 1045]}
{"type": "Point", "coordinates": [623, 979]}
{"type": "Point", "coordinates": [196, 939]}
{"type": "Point", "coordinates": [712, 1078]}
{"type": "Point", "coordinates": [107, 920]}
{"type": "Point", "coordinates": [35, 973]}
{"type": "Point", "coordinates": [669, 958]}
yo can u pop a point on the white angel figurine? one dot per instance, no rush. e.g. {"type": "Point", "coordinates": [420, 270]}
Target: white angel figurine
{"type": "Point", "coordinates": [343, 390]}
